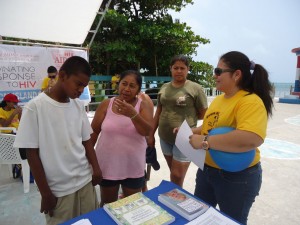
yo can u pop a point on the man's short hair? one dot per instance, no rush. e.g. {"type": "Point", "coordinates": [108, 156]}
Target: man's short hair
{"type": "Point", "coordinates": [51, 69]}
{"type": "Point", "coordinates": [75, 65]}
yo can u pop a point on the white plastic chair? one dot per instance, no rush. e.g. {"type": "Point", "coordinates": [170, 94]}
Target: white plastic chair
{"type": "Point", "coordinates": [13, 129]}
{"type": "Point", "coordinates": [11, 155]}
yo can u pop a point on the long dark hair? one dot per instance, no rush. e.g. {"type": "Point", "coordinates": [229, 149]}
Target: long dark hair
{"type": "Point", "coordinates": [3, 104]}
{"type": "Point", "coordinates": [256, 82]}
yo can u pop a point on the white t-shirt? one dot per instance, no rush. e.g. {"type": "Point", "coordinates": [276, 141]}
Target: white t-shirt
{"type": "Point", "coordinates": [58, 130]}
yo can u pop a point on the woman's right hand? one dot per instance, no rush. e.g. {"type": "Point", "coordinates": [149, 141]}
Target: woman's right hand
{"type": "Point", "coordinates": [196, 141]}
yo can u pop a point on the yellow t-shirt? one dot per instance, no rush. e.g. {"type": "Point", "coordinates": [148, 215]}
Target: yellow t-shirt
{"type": "Point", "coordinates": [46, 82]}
{"type": "Point", "coordinates": [5, 115]}
{"type": "Point", "coordinates": [114, 81]}
{"type": "Point", "coordinates": [242, 111]}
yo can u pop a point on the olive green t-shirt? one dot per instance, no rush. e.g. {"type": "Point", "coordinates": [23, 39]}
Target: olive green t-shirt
{"type": "Point", "coordinates": [177, 105]}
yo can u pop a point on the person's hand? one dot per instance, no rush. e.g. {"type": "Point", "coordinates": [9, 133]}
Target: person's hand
{"type": "Point", "coordinates": [51, 83]}
{"type": "Point", "coordinates": [96, 178]}
{"type": "Point", "coordinates": [48, 204]}
{"type": "Point", "coordinates": [151, 141]}
{"type": "Point", "coordinates": [175, 130]}
{"type": "Point", "coordinates": [124, 108]}
{"type": "Point", "coordinates": [196, 141]}
{"type": "Point", "coordinates": [18, 110]}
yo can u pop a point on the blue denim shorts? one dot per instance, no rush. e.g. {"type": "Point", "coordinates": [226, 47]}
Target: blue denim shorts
{"type": "Point", "coordinates": [172, 150]}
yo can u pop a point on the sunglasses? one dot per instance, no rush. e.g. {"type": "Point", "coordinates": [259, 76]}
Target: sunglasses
{"type": "Point", "coordinates": [52, 77]}
{"type": "Point", "coordinates": [219, 71]}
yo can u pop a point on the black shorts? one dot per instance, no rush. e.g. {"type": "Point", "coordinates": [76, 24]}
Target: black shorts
{"type": "Point", "coordinates": [133, 183]}
{"type": "Point", "coordinates": [23, 153]}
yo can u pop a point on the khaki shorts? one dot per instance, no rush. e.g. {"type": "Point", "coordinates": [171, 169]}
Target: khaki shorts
{"type": "Point", "coordinates": [82, 201]}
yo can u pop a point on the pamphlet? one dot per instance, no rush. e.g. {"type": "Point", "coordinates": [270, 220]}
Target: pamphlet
{"type": "Point", "coordinates": [212, 216]}
{"type": "Point", "coordinates": [197, 156]}
{"type": "Point", "coordinates": [184, 204]}
{"type": "Point", "coordinates": [137, 209]}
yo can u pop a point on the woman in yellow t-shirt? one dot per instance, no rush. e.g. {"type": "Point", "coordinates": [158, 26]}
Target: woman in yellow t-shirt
{"type": "Point", "coordinates": [10, 115]}
{"type": "Point", "coordinates": [245, 105]}
{"type": "Point", "coordinates": [10, 112]}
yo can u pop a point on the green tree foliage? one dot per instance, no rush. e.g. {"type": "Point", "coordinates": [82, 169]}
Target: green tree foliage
{"type": "Point", "coordinates": [202, 73]}
{"type": "Point", "coordinates": [142, 34]}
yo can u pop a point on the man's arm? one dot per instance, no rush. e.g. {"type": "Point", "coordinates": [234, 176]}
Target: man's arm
{"type": "Point", "coordinates": [98, 119]}
{"type": "Point", "coordinates": [48, 201]}
{"type": "Point", "coordinates": [92, 158]}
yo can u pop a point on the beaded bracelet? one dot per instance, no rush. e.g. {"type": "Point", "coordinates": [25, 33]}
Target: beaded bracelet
{"type": "Point", "coordinates": [134, 116]}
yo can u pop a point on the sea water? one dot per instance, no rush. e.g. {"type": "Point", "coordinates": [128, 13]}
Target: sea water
{"type": "Point", "coordinates": [282, 89]}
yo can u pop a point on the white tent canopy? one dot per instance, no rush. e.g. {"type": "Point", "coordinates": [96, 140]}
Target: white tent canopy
{"type": "Point", "coordinates": [57, 21]}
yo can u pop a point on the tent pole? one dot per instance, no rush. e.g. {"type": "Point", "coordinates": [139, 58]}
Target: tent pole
{"type": "Point", "coordinates": [99, 23]}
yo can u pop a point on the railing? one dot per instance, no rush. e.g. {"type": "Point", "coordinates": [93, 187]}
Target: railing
{"type": "Point", "coordinates": [100, 88]}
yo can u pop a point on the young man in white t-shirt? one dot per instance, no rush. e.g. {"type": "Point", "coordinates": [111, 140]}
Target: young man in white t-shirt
{"type": "Point", "coordinates": [56, 132]}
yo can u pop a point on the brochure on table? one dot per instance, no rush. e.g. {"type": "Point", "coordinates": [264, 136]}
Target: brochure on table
{"type": "Point", "coordinates": [184, 204]}
{"type": "Point", "coordinates": [212, 216]}
{"type": "Point", "coordinates": [137, 209]}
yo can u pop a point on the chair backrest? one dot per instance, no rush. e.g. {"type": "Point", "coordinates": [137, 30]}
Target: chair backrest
{"type": "Point", "coordinates": [11, 129]}
{"type": "Point", "coordinates": [8, 154]}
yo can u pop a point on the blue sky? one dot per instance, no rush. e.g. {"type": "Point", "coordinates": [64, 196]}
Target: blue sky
{"type": "Point", "coordinates": [265, 30]}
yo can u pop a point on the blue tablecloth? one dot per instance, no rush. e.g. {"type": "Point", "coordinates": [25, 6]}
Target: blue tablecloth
{"type": "Point", "coordinates": [99, 216]}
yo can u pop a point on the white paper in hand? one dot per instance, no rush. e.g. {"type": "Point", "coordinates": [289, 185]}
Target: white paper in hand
{"type": "Point", "coordinates": [197, 156]}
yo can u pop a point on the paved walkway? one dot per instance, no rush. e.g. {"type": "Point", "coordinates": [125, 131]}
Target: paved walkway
{"type": "Point", "coordinates": [278, 203]}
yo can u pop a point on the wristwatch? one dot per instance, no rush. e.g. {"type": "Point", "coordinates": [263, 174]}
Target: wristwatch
{"type": "Point", "coordinates": [205, 144]}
